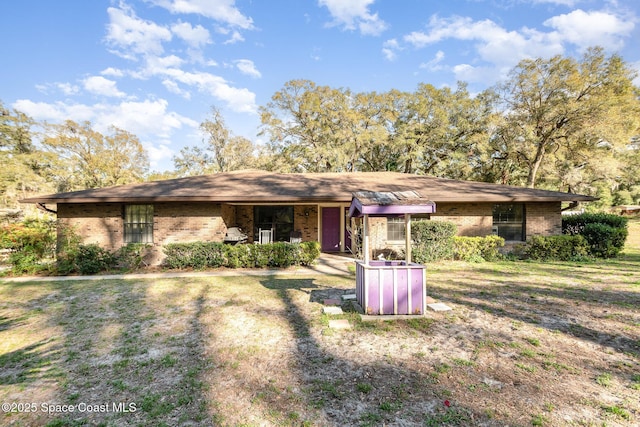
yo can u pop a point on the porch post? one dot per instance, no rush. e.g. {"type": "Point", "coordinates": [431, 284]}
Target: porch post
{"type": "Point", "coordinates": [407, 237]}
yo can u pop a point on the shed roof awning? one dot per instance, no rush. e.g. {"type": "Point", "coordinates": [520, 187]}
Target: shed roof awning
{"type": "Point", "coordinates": [389, 203]}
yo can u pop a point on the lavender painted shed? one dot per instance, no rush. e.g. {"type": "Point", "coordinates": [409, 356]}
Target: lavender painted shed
{"type": "Point", "coordinates": [390, 287]}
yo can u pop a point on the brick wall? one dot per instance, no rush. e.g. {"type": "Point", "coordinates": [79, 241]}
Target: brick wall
{"type": "Point", "coordinates": [305, 220]}
{"type": "Point", "coordinates": [187, 222]}
{"type": "Point", "coordinates": [95, 223]}
{"type": "Point", "coordinates": [544, 219]}
{"type": "Point", "coordinates": [472, 219]}
{"type": "Point", "coordinates": [244, 220]}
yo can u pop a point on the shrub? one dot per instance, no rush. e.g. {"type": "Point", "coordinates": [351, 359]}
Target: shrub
{"type": "Point", "coordinates": [575, 224]}
{"type": "Point", "coordinates": [556, 248]}
{"type": "Point", "coordinates": [197, 255]}
{"type": "Point", "coordinates": [29, 243]}
{"type": "Point", "coordinates": [477, 249]}
{"type": "Point", "coordinates": [200, 255]}
{"type": "Point", "coordinates": [432, 240]}
{"type": "Point", "coordinates": [310, 251]}
{"type": "Point", "coordinates": [605, 233]}
{"type": "Point", "coordinates": [86, 259]}
{"type": "Point", "coordinates": [132, 255]}
{"type": "Point", "coordinates": [604, 241]}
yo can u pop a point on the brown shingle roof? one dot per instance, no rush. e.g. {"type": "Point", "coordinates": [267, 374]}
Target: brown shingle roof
{"type": "Point", "coordinates": [266, 187]}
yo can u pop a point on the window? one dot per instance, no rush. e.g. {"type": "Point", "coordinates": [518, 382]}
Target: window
{"type": "Point", "coordinates": [508, 221]}
{"type": "Point", "coordinates": [395, 228]}
{"type": "Point", "coordinates": [277, 218]}
{"type": "Point", "coordinates": [138, 224]}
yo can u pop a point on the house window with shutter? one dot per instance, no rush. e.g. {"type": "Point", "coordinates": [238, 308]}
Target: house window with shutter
{"type": "Point", "coordinates": [138, 224]}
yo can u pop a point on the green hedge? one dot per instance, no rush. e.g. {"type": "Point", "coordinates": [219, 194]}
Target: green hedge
{"type": "Point", "coordinates": [201, 255]}
{"type": "Point", "coordinates": [556, 248]}
{"type": "Point", "coordinates": [432, 240]}
{"type": "Point", "coordinates": [605, 233]}
{"type": "Point", "coordinates": [575, 224]}
{"type": "Point", "coordinates": [477, 249]}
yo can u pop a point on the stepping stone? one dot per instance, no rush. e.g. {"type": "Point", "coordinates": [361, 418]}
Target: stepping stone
{"type": "Point", "coordinates": [439, 306]}
{"type": "Point", "coordinates": [332, 301]}
{"type": "Point", "coordinates": [332, 310]}
{"type": "Point", "coordinates": [348, 297]}
{"type": "Point", "coordinates": [339, 324]}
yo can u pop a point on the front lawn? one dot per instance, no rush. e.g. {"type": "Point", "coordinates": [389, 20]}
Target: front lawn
{"type": "Point", "coordinates": [548, 344]}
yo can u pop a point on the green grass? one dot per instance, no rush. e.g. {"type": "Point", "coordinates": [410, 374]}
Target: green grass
{"type": "Point", "coordinates": [604, 379]}
{"type": "Point", "coordinates": [617, 411]}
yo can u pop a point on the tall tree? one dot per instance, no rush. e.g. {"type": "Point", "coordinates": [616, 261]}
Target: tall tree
{"type": "Point", "coordinates": [221, 150]}
{"type": "Point", "coordinates": [22, 163]}
{"type": "Point", "coordinates": [301, 121]}
{"type": "Point", "coordinates": [568, 109]}
{"type": "Point", "coordinates": [439, 130]}
{"type": "Point", "coordinates": [89, 159]}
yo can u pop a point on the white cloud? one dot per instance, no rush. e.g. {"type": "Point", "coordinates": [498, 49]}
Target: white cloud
{"type": "Point", "coordinates": [493, 43]}
{"type": "Point", "coordinates": [131, 36]}
{"type": "Point", "coordinates": [586, 29]}
{"type": "Point", "coordinates": [173, 87]}
{"type": "Point", "coordinates": [240, 100]}
{"type": "Point", "coordinates": [223, 11]}
{"type": "Point", "coordinates": [434, 64]}
{"type": "Point", "coordinates": [157, 65]}
{"type": "Point", "coordinates": [389, 49]}
{"type": "Point", "coordinates": [98, 85]}
{"type": "Point", "coordinates": [569, 3]}
{"type": "Point", "coordinates": [146, 119]}
{"type": "Point", "coordinates": [196, 37]}
{"type": "Point", "coordinates": [67, 89]}
{"type": "Point", "coordinates": [478, 74]}
{"type": "Point", "coordinates": [236, 37]}
{"type": "Point", "coordinates": [149, 117]}
{"type": "Point", "coordinates": [158, 153]}
{"type": "Point", "coordinates": [354, 14]}
{"type": "Point", "coordinates": [113, 72]}
{"type": "Point", "coordinates": [246, 66]}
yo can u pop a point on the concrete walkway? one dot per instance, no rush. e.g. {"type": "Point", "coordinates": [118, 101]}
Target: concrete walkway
{"type": "Point", "coordinates": [331, 264]}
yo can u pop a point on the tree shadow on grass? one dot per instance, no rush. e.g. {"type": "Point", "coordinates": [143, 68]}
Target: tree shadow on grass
{"type": "Point", "coordinates": [113, 357]}
{"type": "Point", "coordinates": [343, 391]}
{"type": "Point", "coordinates": [550, 306]}
{"type": "Point", "coordinates": [27, 364]}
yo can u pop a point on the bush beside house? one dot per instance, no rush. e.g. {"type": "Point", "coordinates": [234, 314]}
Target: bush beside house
{"type": "Point", "coordinates": [201, 255]}
{"type": "Point", "coordinates": [437, 240]}
{"type": "Point", "coordinates": [605, 233]}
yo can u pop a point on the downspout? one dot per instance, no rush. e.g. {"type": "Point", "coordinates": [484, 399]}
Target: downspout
{"type": "Point", "coordinates": [42, 207]}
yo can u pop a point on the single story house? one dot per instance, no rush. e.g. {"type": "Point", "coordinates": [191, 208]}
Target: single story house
{"type": "Point", "coordinates": [314, 206]}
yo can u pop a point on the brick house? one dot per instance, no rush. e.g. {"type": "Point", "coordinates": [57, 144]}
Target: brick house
{"type": "Point", "coordinates": [314, 205]}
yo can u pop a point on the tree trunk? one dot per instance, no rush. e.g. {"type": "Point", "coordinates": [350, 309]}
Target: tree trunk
{"type": "Point", "coordinates": [535, 166]}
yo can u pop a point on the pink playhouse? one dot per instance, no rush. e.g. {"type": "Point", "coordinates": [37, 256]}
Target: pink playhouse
{"type": "Point", "coordinates": [390, 287]}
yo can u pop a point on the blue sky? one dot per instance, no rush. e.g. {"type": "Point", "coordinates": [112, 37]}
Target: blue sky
{"type": "Point", "coordinates": [155, 67]}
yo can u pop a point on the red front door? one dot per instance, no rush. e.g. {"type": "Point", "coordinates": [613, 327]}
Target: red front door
{"type": "Point", "coordinates": [330, 229]}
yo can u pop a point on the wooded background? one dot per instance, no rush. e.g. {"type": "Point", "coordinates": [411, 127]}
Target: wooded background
{"type": "Point", "coordinates": [560, 124]}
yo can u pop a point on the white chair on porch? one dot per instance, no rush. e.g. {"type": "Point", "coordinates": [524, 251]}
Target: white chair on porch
{"type": "Point", "coordinates": [265, 236]}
